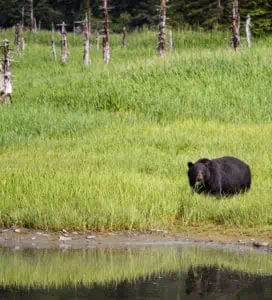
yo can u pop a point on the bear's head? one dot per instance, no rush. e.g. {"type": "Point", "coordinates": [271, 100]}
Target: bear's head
{"type": "Point", "coordinates": [199, 174]}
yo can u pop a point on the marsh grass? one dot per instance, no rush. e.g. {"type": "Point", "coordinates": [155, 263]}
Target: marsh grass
{"type": "Point", "coordinates": [106, 147]}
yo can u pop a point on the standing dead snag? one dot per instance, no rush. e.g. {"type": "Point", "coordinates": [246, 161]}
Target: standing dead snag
{"type": "Point", "coordinates": [124, 37]}
{"type": "Point", "coordinates": [35, 25]}
{"type": "Point", "coordinates": [54, 53]}
{"type": "Point", "coordinates": [18, 39]}
{"type": "Point", "coordinates": [162, 29]}
{"type": "Point", "coordinates": [85, 26]}
{"type": "Point", "coordinates": [5, 85]}
{"type": "Point", "coordinates": [235, 25]}
{"type": "Point", "coordinates": [23, 18]}
{"type": "Point", "coordinates": [86, 36]}
{"type": "Point", "coordinates": [106, 44]}
{"type": "Point", "coordinates": [220, 10]}
{"type": "Point", "coordinates": [31, 15]}
{"type": "Point", "coordinates": [248, 32]}
{"type": "Point", "coordinates": [171, 40]}
{"type": "Point", "coordinates": [97, 39]}
{"type": "Point", "coordinates": [22, 42]}
{"type": "Point", "coordinates": [64, 53]}
{"type": "Point", "coordinates": [89, 15]}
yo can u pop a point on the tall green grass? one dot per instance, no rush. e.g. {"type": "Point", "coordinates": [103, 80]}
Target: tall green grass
{"type": "Point", "coordinates": [106, 147]}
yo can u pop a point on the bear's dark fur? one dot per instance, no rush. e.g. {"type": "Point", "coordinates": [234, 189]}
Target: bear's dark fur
{"type": "Point", "coordinates": [221, 176]}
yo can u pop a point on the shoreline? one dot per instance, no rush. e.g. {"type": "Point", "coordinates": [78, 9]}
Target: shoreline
{"type": "Point", "coordinates": [21, 238]}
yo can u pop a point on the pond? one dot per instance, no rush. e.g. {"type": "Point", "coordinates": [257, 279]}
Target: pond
{"type": "Point", "coordinates": [146, 272]}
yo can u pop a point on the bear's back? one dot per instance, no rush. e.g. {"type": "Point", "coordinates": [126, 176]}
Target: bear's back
{"type": "Point", "coordinates": [235, 175]}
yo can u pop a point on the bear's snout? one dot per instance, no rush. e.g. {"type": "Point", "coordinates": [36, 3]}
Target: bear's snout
{"type": "Point", "coordinates": [199, 176]}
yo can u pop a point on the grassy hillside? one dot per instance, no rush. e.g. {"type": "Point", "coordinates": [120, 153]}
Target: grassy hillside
{"type": "Point", "coordinates": [106, 147]}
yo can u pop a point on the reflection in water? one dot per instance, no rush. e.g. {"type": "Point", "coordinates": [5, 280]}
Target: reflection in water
{"type": "Point", "coordinates": [207, 280]}
{"type": "Point", "coordinates": [144, 273]}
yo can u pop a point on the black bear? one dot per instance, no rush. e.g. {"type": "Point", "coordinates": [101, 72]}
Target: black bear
{"type": "Point", "coordinates": [221, 176]}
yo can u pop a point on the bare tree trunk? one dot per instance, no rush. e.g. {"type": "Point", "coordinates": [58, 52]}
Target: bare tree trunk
{"type": "Point", "coordinates": [106, 44]}
{"type": "Point", "coordinates": [5, 93]}
{"type": "Point", "coordinates": [162, 29]}
{"type": "Point", "coordinates": [235, 25]}
{"type": "Point", "coordinates": [124, 38]}
{"type": "Point", "coordinates": [97, 39]}
{"type": "Point", "coordinates": [89, 19]}
{"type": "Point", "coordinates": [220, 9]}
{"type": "Point", "coordinates": [22, 44]}
{"type": "Point", "coordinates": [17, 40]}
{"type": "Point", "coordinates": [31, 15]}
{"type": "Point", "coordinates": [54, 52]}
{"type": "Point", "coordinates": [86, 35]}
{"type": "Point", "coordinates": [35, 24]}
{"type": "Point", "coordinates": [64, 47]}
{"type": "Point", "coordinates": [23, 18]}
{"type": "Point", "coordinates": [248, 31]}
{"type": "Point", "coordinates": [171, 40]}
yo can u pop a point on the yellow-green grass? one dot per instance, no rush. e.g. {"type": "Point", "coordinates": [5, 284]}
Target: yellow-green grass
{"type": "Point", "coordinates": [45, 269]}
{"type": "Point", "coordinates": [132, 174]}
{"type": "Point", "coordinates": [106, 147]}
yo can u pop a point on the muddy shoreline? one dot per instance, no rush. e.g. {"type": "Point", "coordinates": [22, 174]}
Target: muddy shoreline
{"type": "Point", "coordinates": [18, 238]}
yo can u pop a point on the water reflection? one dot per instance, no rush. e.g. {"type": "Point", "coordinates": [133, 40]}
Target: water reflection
{"type": "Point", "coordinates": [143, 273]}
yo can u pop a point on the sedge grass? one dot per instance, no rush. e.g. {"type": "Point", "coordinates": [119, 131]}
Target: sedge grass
{"type": "Point", "coordinates": [106, 147]}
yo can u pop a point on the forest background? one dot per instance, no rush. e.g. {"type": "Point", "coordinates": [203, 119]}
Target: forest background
{"type": "Point", "coordinates": [206, 14]}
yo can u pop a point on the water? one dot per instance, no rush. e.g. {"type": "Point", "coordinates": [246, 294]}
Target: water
{"type": "Point", "coordinates": [180, 272]}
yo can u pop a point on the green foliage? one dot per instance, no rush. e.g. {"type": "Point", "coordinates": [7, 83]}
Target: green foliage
{"type": "Point", "coordinates": [10, 13]}
{"type": "Point", "coordinates": [260, 12]}
{"type": "Point", "coordinates": [203, 13]}
{"type": "Point", "coordinates": [215, 14]}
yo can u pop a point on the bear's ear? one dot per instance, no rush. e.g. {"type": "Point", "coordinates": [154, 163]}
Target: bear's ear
{"type": "Point", "coordinates": [190, 164]}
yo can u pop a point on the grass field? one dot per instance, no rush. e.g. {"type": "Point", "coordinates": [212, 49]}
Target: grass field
{"type": "Point", "coordinates": [106, 147]}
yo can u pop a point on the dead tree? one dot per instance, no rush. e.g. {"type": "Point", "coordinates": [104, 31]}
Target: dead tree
{"type": "Point", "coordinates": [86, 36]}
{"type": "Point", "coordinates": [35, 25]}
{"type": "Point", "coordinates": [220, 10]}
{"type": "Point", "coordinates": [85, 25]}
{"type": "Point", "coordinates": [6, 85]}
{"type": "Point", "coordinates": [248, 31]}
{"type": "Point", "coordinates": [64, 44]}
{"type": "Point", "coordinates": [31, 15]}
{"type": "Point", "coordinates": [124, 37]}
{"type": "Point", "coordinates": [171, 40]}
{"type": "Point", "coordinates": [89, 19]}
{"type": "Point", "coordinates": [162, 29]}
{"type": "Point", "coordinates": [54, 52]}
{"type": "Point", "coordinates": [106, 44]}
{"type": "Point", "coordinates": [97, 39]}
{"type": "Point", "coordinates": [17, 40]}
{"type": "Point", "coordinates": [22, 42]}
{"type": "Point", "coordinates": [23, 18]}
{"type": "Point", "coordinates": [235, 25]}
